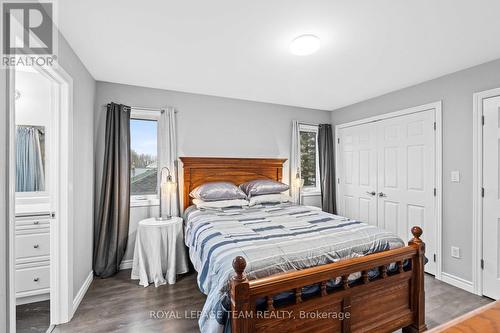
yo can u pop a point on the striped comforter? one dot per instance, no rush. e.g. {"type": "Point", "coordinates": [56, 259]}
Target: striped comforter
{"type": "Point", "coordinates": [272, 239]}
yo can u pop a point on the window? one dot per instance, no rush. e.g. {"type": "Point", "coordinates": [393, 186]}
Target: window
{"type": "Point", "coordinates": [143, 157]}
{"type": "Point", "coordinates": [309, 159]}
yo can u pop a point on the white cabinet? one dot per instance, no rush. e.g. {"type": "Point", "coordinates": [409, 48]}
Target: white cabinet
{"type": "Point", "coordinates": [32, 258]}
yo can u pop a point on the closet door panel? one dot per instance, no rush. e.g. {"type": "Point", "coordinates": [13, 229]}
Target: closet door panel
{"type": "Point", "coordinates": [357, 163]}
{"type": "Point", "coordinates": [406, 177]}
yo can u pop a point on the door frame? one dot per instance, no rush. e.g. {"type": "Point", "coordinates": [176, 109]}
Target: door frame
{"type": "Point", "coordinates": [477, 185]}
{"type": "Point", "coordinates": [438, 151]}
{"type": "Point", "coordinates": [61, 233]}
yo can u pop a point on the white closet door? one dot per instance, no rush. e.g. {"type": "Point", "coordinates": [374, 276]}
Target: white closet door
{"type": "Point", "coordinates": [358, 173]}
{"type": "Point", "coordinates": [406, 177]}
{"type": "Point", "coordinates": [491, 200]}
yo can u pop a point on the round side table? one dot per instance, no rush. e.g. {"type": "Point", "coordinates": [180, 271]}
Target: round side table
{"type": "Point", "coordinates": [159, 253]}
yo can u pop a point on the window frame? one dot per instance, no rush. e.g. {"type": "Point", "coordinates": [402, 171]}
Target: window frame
{"type": "Point", "coordinates": [149, 199]}
{"type": "Point", "coordinates": [311, 190]}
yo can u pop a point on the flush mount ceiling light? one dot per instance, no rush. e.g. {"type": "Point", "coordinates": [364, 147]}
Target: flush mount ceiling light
{"type": "Point", "coordinates": [305, 45]}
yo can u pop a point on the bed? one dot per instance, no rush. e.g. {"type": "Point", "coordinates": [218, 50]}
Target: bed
{"type": "Point", "coordinates": [291, 268]}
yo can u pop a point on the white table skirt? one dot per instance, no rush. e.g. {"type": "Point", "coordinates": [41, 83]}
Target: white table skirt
{"type": "Point", "coordinates": [159, 253]}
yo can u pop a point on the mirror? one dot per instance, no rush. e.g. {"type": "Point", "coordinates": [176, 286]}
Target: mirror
{"type": "Point", "coordinates": [30, 158]}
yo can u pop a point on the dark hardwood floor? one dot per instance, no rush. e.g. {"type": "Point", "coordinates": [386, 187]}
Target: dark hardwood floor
{"type": "Point", "coordinates": [119, 304]}
{"type": "Point", "coordinates": [33, 317]}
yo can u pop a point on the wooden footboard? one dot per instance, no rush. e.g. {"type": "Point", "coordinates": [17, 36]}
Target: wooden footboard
{"type": "Point", "coordinates": [391, 301]}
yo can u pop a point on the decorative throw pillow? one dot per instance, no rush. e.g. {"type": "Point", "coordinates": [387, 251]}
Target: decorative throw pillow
{"type": "Point", "coordinates": [263, 186]}
{"type": "Point", "coordinates": [215, 191]}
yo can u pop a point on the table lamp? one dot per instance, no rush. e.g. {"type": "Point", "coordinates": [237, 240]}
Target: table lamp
{"type": "Point", "coordinates": [167, 186]}
{"type": "Point", "coordinates": [298, 183]}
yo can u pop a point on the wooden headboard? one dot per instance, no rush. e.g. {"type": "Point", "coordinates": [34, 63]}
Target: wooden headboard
{"type": "Point", "coordinates": [199, 170]}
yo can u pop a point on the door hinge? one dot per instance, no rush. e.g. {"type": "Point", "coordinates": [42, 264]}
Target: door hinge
{"type": "Point", "coordinates": [434, 125]}
{"type": "Point", "coordinates": [338, 140]}
{"type": "Point", "coordinates": [482, 119]}
{"type": "Point", "coordinates": [435, 191]}
{"type": "Point", "coordinates": [434, 257]}
{"type": "Point", "coordinates": [482, 192]}
{"type": "Point", "coordinates": [338, 180]}
{"type": "Point", "coordinates": [482, 263]}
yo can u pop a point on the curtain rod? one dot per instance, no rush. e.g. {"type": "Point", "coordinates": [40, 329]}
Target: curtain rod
{"type": "Point", "coordinates": [145, 108]}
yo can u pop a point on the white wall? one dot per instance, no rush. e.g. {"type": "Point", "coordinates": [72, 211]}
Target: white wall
{"type": "Point", "coordinates": [455, 90]}
{"type": "Point", "coordinates": [33, 107]}
{"type": "Point", "coordinates": [208, 126]}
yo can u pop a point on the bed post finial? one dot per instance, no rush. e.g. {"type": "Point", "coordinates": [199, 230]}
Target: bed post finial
{"type": "Point", "coordinates": [416, 232]}
{"type": "Point", "coordinates": [239, 265]}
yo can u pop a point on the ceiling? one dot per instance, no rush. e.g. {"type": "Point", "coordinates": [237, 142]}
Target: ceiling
{"type": "Point", "coordinates": [240, 49]}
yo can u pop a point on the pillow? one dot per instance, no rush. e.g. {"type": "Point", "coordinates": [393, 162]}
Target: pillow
{"type": "Point", "coordinates": [215, 191]}
{"type": "Point", "coordinates": [269, 198]}
{"type": "Point", "coordinates": [263, 186]}
{"type": "Point", "coordinates": [200, 204]}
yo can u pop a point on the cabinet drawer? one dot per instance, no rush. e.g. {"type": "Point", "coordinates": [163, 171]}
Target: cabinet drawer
{"type": "Point", "coordinates": [29, 279]}
{"type": "Point", "coordinates": [32, 245]}
{"type": "Point", "coordinates": [25, 222]}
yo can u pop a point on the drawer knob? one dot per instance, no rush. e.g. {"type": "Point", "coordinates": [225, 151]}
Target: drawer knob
{"type": "Point", "coordinates": [36, 246]}
{"type": "Point", "coordinates": [36, 222]}
{"type": "Point", "coordinates": [36, 279]}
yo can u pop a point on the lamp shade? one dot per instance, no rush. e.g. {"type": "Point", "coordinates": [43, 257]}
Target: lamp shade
{"type": "Point", "coordinates": [167, 189]}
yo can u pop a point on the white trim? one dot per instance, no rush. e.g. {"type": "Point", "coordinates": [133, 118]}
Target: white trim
{"type": "Point", "coordinates": [147, 202]}
{"type": "Point", "coordinates": [457, 282]}
{"type": "Point", "coordinates": [311, 190]}
{"type": "Point", "coordinates": [438, 151]}
{"type": "Point", "coordinates": [32, 298]}
{"type": "Point", "coordinates": [437, 106]}
{"type": "Point", "coordinates": [81, 293]}
{"type": "Point", "coordinates": [126, 264]}
{"type": "Point", "coordinates": [310, 193]}
{"type": "Point", "coordinates": [415, 109]}
{"type": "Point", "coordinates": [61, 264]}
{"type": "Point", "coordinates": [11, 227]}
{"type": "Point", "coordinates": [477, 184]}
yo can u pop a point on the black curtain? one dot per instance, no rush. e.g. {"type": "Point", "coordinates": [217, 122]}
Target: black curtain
{"type": "Point", "coordinates": [326, 167]}
{"type": "Point", "coordinates": [111, 224]}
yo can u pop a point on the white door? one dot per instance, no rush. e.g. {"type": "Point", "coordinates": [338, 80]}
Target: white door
{"type": "Point", "coordinates": [395, 158]}
{"type": "Point", "coordinates": [406, 178]}
{"type": "Point", "coordinates": [358, 168]}
{"type": "Point", "coordinates": [491, 200]}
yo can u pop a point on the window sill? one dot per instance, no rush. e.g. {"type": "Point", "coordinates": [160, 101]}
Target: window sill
{"type": "Point", "coordinates": [144, 203]}
{"type": "Point", "coordinates": [310, 193]}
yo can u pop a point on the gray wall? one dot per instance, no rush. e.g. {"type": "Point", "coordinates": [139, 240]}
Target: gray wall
{"type": "Point", "coordinates": [455, 90]}
{"type": "Point", "coordinates": [207, 126]}
{"type": "Point", "coordinates": [84, 87]}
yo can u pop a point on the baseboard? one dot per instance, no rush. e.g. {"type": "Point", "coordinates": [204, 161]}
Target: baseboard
{"type": "Point", "coordinates": [83, 290]}
{"type": "Point", "coordinates": [126, 264]}
{"type": "Point", "coordinates": [32, 298]}
{"type": "Point", "coordinates": [457, 282]}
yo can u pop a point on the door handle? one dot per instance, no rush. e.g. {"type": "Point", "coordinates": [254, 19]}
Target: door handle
{"type": "Point", "coordinates": [382, 194]}
{"type": "Point", "coordinates": [371, 193]}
